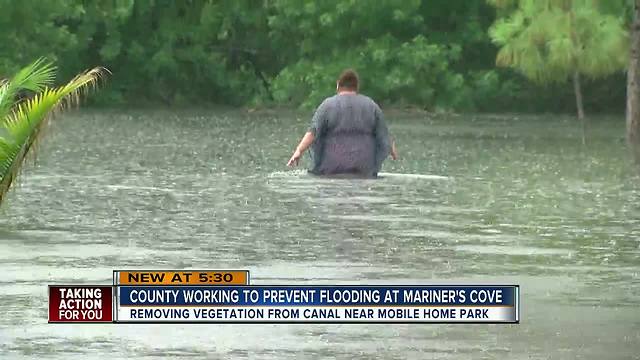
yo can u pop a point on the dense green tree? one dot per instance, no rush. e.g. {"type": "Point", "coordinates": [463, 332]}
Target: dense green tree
{"type": "Point", "coordinates": [177, 51]}
{"type": "Point", "coordinates": [32, 28]}
{"type": "Point", "coordinates": [434, 54]}
{"type": "Point", "coordinates": [388, 44]}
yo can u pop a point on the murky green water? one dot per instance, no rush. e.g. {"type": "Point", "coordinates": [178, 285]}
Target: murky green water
{"type": "Point", "coordinates": [519, 200]}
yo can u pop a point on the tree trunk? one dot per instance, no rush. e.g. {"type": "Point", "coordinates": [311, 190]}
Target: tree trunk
{"type": "Point", "coordinates": [633, 86]}
{"type": "Point", "coordinates": [577, 88]}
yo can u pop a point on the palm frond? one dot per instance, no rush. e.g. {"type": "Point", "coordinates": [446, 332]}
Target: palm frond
{"type": "Point", "coordinates": [34, 77]}
{"type": "Point", "coordinates": [21, 129]}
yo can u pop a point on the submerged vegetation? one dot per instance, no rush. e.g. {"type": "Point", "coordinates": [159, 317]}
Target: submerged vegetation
{"type": "Point", "coordinates": [27, 103]}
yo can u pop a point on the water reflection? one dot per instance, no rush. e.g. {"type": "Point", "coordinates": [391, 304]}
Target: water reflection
{"type": "Point", "coordinates": [501, 200]}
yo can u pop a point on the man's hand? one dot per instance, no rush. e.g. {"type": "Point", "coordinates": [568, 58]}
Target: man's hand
{"type": "Point", "coordinates": [306, 141]}
{"type": "Point", "coordinates": [295, 158]}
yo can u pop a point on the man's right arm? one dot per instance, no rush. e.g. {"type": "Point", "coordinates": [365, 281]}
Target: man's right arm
{"type": "Point", "coordinates": [318, 125]}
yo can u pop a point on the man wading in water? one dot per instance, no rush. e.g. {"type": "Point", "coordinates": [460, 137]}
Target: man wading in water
{"type": "Point", "coordinates": [348, 135]}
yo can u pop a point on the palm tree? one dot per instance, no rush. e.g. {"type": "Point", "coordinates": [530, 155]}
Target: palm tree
{"type": "Point", "coordinates": [22, 118]}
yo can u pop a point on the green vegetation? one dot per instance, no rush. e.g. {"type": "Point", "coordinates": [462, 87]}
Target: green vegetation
{"type": "Point", "coordinates": [551, 41]}
{"type": "Point", "coordinates": [428, 54]}
{"type": "Point", "coordinates": [22, 119]}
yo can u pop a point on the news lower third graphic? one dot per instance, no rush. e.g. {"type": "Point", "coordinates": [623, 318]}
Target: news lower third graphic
{"type": "Point", "coordinates": [225, 296]}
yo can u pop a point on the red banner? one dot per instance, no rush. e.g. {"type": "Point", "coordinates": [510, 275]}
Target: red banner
{"type": "Point", "coordinates": [80, 303]}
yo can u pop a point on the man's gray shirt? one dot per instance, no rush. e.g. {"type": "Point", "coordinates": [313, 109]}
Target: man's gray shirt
{"type": "Point", "coordinates": [351, 136]}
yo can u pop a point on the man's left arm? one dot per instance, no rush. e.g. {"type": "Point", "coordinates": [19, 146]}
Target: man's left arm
{"type": "Point", "coordinates": [394, 150]}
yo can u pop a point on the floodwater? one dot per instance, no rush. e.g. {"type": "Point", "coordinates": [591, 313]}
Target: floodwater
{"type": "Point", "coordinates": [504, 199]}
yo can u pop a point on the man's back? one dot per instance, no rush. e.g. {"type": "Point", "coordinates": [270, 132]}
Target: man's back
{"type": "Point", "coordinates": [350, 136]}
{"type": "Point", "coordinates": [347, 134]}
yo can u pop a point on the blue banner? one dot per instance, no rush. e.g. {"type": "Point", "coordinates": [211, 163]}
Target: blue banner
{"type": "Point", "coordinates": [285, 295]}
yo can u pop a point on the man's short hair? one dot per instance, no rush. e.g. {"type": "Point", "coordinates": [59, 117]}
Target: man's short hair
{"type": "Point", "coordinates": [349, 80]}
